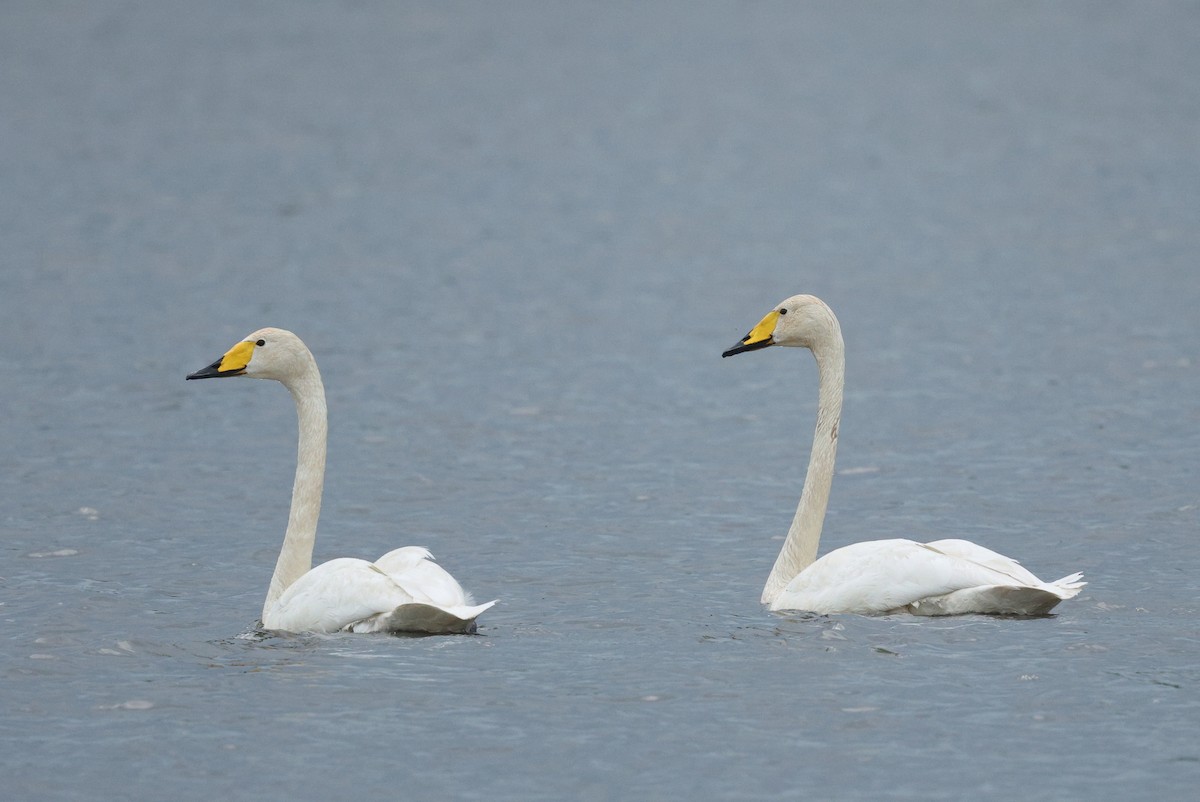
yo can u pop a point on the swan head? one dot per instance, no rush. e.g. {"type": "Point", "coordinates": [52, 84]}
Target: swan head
{"type": "Point", "coordinates": [802, 321]}
{"type": "Point", "coordinates": [266, 354]}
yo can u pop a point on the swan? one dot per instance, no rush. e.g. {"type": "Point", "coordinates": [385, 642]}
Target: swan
{"type": "Point", "coordinates": [945, 577]}
{"type": "Point", "coordinates": [402, 591]}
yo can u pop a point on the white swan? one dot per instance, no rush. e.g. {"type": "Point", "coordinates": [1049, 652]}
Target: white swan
{"type": "Point", "coordinates": [402, 591]}
{"type": "Point", "coordinates": [946, 577]}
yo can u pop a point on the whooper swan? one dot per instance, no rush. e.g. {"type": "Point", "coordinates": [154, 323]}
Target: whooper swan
{"type": "Point", "coordinates": [402, 591]}
{"type": "Point", "coordinates": [946, 577]}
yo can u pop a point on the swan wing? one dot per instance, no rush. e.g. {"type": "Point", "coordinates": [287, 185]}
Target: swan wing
{"type": "Point", "coordinates": [882, 576]}
{"type": "Point", "coordinates": [1064, 588]}
{"type": "Point", "coordinates": [358, 596]}
{"type": "Point", "coordinates": [966, 550]}
{"type": "Point", "coordinates": [399, 560]}
{"type": "Point", "coordinates": [413, 568]}
{"type": "Point", "coordinates": [334, 595]}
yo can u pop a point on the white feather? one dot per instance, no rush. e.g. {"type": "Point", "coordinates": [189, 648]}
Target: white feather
{"type": "Point", "coordinates": [946, 577]}
{"type": "Point", "coordinates": [404, 591]}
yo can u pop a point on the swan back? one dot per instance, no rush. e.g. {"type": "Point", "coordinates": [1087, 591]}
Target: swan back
{"type": "Point", "coordinates": [413, 568]}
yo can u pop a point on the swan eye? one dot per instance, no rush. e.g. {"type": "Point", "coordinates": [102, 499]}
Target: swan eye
{"type": "Point", "coordinates": [783, 311]}
{"type": "Point", "coordinates": [261, 342]}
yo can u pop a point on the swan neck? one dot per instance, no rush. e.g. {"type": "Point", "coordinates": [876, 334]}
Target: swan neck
{"type": "Point", "coordinates": [803, 538]}
{"type": "Point", "coordinates": [295, 558]}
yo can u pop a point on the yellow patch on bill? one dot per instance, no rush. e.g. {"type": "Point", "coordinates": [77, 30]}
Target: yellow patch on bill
{"type": "Point", "coordinates": [764, 329]}
{"type": "Point", "coordinates": [237, 357]}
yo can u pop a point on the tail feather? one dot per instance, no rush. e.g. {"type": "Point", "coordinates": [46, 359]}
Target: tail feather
{"type": "Point", "coordinates": [1070, 584]}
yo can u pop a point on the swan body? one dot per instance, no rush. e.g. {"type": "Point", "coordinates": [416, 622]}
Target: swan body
{"type": "Point", "coordinates": [402, 591]}
{"type": "Point", "coordinates": [945, 577]}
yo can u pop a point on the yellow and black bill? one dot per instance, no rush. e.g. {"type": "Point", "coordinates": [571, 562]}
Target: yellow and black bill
{"type": "Point", "coordinates": [233, 363]}
{"type": "Point", "coordinates": [760, 336]}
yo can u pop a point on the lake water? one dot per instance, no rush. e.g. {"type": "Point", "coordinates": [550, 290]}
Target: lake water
{"type": "Point", "coordinates": [517, 238]}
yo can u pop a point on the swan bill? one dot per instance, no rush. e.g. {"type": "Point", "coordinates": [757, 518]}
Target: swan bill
{"type": "Point", "coordinates": [233, 363]}
{"type": "Point", "coordinates": [761, 336]}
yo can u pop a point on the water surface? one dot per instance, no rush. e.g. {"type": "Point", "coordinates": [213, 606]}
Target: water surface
{"type": "Point", "coordinates": [517, 239]}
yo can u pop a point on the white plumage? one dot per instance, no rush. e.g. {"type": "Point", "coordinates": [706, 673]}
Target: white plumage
{"type": "Point", "coordinates": [403, 591]}
{"type": "Point", "coordinates": [946, 577]}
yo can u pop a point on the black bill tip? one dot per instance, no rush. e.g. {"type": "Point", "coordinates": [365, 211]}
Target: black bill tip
{"type": "Point", "coordinates": [214, 371]}
{"type": "Point", "coordinates": [743, 346]}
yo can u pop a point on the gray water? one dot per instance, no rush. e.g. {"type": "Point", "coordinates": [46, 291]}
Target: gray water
{"type": "Point", "coordinates": [517, 236]}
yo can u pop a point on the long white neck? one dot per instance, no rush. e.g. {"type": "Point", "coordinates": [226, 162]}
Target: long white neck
{"type": "Point", "coordinates": [295, 558]}
{"type": "Point", "coordinates": [800, 548]}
